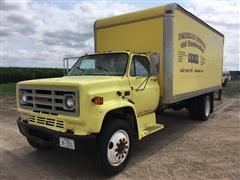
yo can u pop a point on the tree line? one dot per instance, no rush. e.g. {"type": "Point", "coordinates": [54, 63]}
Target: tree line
{"type": "Point", "coordinates": [16, 74]}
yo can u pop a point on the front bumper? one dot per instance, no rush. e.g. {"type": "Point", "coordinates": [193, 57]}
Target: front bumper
{"type": "Point", "coordinates": [47, 137]}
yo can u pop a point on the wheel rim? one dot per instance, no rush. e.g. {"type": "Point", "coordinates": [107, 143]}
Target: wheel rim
{"type": "Point", "coordinates": [118, 148]}
{"type": "Point", "coordinates": [207, 107]}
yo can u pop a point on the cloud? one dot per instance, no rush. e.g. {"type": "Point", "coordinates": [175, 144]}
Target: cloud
{"type": "Point", "coordinates": [66, 38]}
{"type": "Point", "coordinates": [225, 17]}
{"type": "Point", "coordinates": [41, 34]}
{"type": "Point", "coordinates": [17, 19]}
{"type": "Point", "coordinates": [8, 6]}
{"type": "Point", "coordinates": [72, 28]}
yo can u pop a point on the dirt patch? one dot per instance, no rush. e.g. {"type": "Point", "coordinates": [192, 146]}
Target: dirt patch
{"type": "Point", "coordinates": [184, 149]}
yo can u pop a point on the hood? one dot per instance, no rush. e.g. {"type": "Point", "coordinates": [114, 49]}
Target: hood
{"type": "Point", "coordinates": [72, 80]}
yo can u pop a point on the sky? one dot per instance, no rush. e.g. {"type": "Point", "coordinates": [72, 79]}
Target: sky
{"type": "Point", "coordinates": [40, 33]}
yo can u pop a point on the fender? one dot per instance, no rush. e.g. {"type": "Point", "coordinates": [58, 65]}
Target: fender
{"type": "Point", "coordinates": [99, 112]}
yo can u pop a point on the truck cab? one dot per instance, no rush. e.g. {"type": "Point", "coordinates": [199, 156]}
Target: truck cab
{"type": "Point", "coordinates": [110, 95]}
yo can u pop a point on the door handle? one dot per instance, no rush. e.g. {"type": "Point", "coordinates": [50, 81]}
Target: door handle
{"type": "Point", "coordinates": [154, 79]}
{"type": "Point", "coordinates": [132, 88]}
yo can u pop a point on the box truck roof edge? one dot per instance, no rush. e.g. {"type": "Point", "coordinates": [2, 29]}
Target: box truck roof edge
{"type": "Point", "coordinates": [148, 14]}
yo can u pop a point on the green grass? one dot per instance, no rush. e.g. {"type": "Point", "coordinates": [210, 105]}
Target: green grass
{"type": "Point", "coordinates": [232, 89]}
{"type": "Point", "coordinates": [7, 89]}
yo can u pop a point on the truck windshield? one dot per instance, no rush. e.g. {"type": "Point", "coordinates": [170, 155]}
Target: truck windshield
{"type": "Point", "coordinates": [112, 64]}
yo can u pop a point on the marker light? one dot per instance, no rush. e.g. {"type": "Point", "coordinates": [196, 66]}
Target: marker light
{"type": "Point", "coordinates": [97, 100]}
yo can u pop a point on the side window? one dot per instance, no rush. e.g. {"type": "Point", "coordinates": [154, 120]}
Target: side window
{"type": "Point", "coordinates": [140, 66]}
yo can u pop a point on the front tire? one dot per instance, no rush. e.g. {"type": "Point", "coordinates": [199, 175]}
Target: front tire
{"type": "Point", "coordinates": [114, 144]}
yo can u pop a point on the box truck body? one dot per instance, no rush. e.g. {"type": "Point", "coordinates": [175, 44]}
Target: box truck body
{"type": "Point", "coordinates": [191, 52]}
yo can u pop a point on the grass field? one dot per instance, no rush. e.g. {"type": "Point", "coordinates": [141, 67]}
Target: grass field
{"type": "Point", "coordinates": [7, 89]}
{"type": "Point", "coordinates": [232, 89]}
{"type": "Point", "coordinates": [16, 74]}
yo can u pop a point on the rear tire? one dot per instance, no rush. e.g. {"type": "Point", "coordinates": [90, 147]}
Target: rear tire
{"type": "Point", "coordinates": [200, 107]}
{"type": "Point", "coordinates": [36, 145]}
{"type": "Point", "coordinates": [204, 108]}
{"type": "Point", "coordinates": [114, 147]}
{"type": "Point", "coordinates": [193, 107]}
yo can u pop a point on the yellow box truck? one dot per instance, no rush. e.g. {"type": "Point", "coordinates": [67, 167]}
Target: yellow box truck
{"type": "Point", "coordinates": [144, 62]}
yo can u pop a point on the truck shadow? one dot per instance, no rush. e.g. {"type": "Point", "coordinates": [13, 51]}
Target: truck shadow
{"type": "Point", "coordinates": [66, 164]}
{"type": "Point", "coordinates": [176, 123]}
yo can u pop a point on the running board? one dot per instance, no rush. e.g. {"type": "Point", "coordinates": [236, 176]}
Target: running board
{"type": "Point", "coordinates": [151, 129]}
{"type": "Point", "coordinates": [147, 125]}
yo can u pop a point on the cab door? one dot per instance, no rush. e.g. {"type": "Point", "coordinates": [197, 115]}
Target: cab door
{"type": "Point", "coordinates": [145, 91]}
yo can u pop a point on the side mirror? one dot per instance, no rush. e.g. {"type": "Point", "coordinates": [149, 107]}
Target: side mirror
{"type": "Point", "coordinates": [154, 64]}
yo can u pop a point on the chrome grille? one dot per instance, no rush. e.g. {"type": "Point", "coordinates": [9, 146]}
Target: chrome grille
{"type": "Point", "coordinates": [46, 121]}
{"type": "Point", "coordinates": [48, 100]}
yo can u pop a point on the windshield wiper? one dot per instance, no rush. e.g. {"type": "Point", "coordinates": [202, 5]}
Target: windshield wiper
{"type": "Point", "coordinates": [103, 69]}
{"type": "Point", "coordinates": [82, 70]}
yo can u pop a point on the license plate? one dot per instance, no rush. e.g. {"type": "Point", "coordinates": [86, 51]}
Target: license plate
{"type": "Point", "coordinates": [66, 143]}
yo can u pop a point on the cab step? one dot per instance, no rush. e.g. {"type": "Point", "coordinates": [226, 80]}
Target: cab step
{"type": "Point", "coordinates": [151, 129]}
{"type": "Point", "coordinates": [147, 125]}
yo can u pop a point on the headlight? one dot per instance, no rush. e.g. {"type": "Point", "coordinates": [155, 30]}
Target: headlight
{"type": "Point", "coordinates": [69, 102]}
{"type": "Point", "coordinates": [24, 98]}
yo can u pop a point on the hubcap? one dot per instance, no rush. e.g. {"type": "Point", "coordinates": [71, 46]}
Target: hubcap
{"type": "Point", "coordinates": [207, 107]}
{"type": "Point", "coordinates": [118, 147]}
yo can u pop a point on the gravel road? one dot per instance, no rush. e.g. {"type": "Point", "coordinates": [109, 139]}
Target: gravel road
{"type": "Point", "coordinates": [184, 149]}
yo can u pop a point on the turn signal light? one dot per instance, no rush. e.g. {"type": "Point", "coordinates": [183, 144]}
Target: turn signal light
{"type": "Point", "coordinates": [97, 100]}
